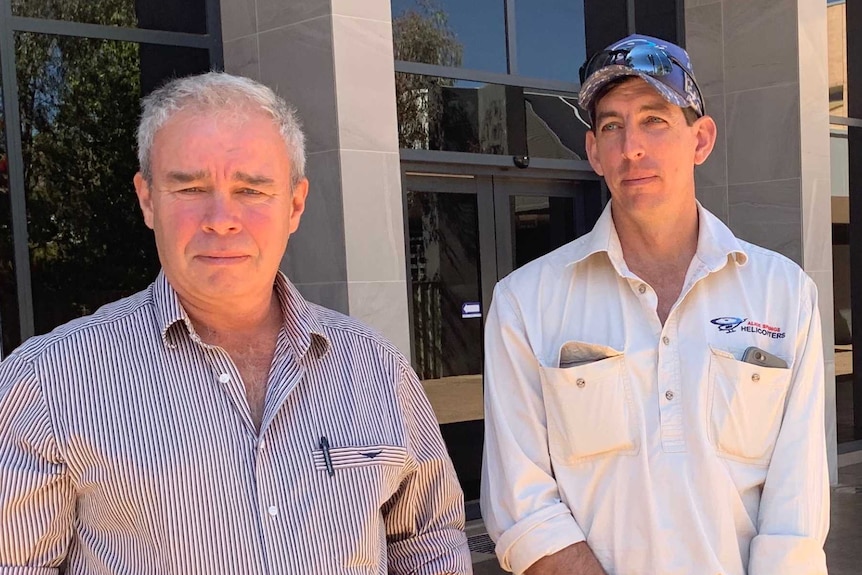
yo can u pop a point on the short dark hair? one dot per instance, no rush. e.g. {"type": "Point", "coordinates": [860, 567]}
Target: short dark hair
{"type": "Point", "coordinates": [689, 113]}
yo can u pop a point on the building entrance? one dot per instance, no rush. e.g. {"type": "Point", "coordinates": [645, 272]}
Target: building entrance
{"type": "Point", "coordinates": [465, 232]}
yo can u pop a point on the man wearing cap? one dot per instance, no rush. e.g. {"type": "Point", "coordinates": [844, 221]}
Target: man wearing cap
{"type": "Point", "coordinates": [654, 389]}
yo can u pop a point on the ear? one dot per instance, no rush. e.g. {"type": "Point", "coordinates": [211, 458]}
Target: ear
{"type": "Point", "coordinates": [145, 199]}
{"type": "Point", "coordinates": [593, 152]}
{"type": "Point", "coordinates": [297, 204]}
{"type": "Point", "coordinates": [706, 132]}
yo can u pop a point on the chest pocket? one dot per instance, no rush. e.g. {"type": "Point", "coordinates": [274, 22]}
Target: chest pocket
{"type": "Point", "coordinates": [746, 406]}
{"type": "Point", "coordinates": [590, 410]}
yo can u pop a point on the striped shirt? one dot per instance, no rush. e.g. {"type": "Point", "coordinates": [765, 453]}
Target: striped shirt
{"type": "Point", "coordinates": [127, 446]}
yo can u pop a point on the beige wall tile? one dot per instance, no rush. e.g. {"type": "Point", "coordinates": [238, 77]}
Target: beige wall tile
{"type": "Point", "coordinates": [241, 57]}
{"type": "Point", "coordinates": [374, 216]}
{"type": "Point", "coordinates": [366, 84]}
{"type": "Point", "coordinates": [382, 305]}
{"type": "Point", "coordinates": [238, 19]}
{"type": "Point", "coordinates": [272, 14]}
{"type": "Point", "coordinates": [298, 63]}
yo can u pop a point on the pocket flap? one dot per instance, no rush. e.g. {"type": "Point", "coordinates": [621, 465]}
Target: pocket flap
{"type": "Point", "coordinates": [345, 457]}
{"type": "Point", "coordinates": [574, 353]}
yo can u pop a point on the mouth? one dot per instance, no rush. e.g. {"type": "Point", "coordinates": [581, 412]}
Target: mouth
{"type": "Point", "coordinates": [222, 259]}
{"type": "Point", "coordinates": [639, 181]}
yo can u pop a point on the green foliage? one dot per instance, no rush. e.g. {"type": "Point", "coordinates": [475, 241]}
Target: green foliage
{"type": "Point", "coordinates": [79, 107]}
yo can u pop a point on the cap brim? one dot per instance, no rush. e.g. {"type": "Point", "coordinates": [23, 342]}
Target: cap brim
{"type": "Point", "coordinates": [610, 73]}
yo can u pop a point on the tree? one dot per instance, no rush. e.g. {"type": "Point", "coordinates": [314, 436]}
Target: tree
{"type": "Point", "coordinates": [78, 100]}
{"type": "Point", "coordinates": [422, 34]}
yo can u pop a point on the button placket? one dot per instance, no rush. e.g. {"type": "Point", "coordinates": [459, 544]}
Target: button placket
{"type": "Point", "coordinates": [670, 405]}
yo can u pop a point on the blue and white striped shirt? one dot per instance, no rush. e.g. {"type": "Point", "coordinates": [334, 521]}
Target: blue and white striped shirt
{"type": "Point", "coordinates": [126, 446]}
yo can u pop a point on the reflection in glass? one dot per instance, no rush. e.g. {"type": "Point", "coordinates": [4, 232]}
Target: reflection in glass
{"type": "Point", "coordinates": [79, 107]}
{"type": "Point", "coordinates": [540, 225]}
{"type": "Point", "coordinates": [447, 324]}
{"type": "Point", "coordinates": [555, 128]}
{"type": "Point", "coordinates": [443, 114]}
{"type": "Point", "coordinates": [837, 55]}
{"type": "Point", "coordinates": [550, 38]}
{"type": "Point", "coordinates": [9, 332]}
{"type": "Point", "coordinates": [450, 33]}
{"type": "Point", "coordinates": [186, 16]}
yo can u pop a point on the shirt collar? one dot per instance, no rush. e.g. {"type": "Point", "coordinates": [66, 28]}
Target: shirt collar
{"type": "Point", "coordinates": [715, 242]}
{"type": "Point", "coordinates": [302, 324]}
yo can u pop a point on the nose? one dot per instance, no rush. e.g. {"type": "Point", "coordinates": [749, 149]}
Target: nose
{"type": "Point", "coordinates": [222, 215]}
{"type": "Point", "coordinates": [633, 148]}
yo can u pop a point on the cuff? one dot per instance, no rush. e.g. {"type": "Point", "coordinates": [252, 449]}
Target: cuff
{"type": "Point", "coordinates": [543, 533]}
{"type": "Point", "coordinates": [786, 555]}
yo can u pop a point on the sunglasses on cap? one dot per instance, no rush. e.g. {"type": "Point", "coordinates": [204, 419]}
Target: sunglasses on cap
{"type": "Point", "coordinates": [647, 58]}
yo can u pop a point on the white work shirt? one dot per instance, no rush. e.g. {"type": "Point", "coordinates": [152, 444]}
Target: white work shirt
{"type": "Point", "coordinates": [657, 444]}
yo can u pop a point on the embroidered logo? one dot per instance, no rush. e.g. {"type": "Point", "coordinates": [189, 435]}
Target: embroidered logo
{"type": "Point", "coordinates": [732, 324]}
{"type": "Point", "coordinates": [727, 324]}
{"type": "Point", "coordinates": [370, 454]}
{"type": "Point", "coordinates": [769, 331]}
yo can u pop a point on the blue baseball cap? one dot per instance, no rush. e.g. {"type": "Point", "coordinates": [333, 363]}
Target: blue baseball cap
{"type": "Point", "coordinates": [664, 66]}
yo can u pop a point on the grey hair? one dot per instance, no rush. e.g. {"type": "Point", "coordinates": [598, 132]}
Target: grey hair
{"type": "Point", "coordinates": [218, 91]}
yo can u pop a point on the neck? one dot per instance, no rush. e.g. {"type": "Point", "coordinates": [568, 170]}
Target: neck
{"type": "Point", "coordinates": [236, 319]}
{"type": "Point", "coordinates": [667, 242]}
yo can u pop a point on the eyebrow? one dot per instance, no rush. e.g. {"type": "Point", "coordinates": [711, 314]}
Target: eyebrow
{"type": "Point", "coordinates": [252, 180]}
{"type": "Point", "coordinates": [188, 177]}
{"type": "Point", "coordinates": [658, 107]}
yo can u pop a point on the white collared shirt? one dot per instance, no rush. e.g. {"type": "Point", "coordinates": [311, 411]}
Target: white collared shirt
{"type": "Point", "coordinates": [657, 444]}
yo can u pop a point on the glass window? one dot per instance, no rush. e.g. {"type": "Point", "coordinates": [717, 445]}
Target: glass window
{"type": "Point", "coordinates": [186, 16]}
{"type": "Point", "coordinates": [79, 103]}
{"type": "Point", "coordinates": [9, 331]}
{"type": "Point", "coordinates": [555, 128]}
{"type": "Point", "coordinates": [451, 33]}
{"type": "Point", "coordinates": [444, 114]}
{"type": "Point", "coordinates": [550, 38]}
{"type": "Point", "coordinates": [837, 55]}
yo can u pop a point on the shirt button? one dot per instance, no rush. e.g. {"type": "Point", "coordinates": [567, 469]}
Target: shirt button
{"type": "Point", "coordinates": [755, 377]}
{"type": "Point", "coordinates": [642, 288]}
{"type": "Point", "coordinates": [665, 340]}
{"type": "Point", "coordinates": [273, 510]}
{"type": "Point", "coordinates": [580, 382]}
{"type": "Point", "coordinates": [668, 395]}
{"type": "Point", "coordinates": [224, 377]}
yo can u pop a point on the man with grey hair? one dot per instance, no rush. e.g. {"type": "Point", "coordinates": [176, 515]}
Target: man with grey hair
{"type": "Point", "coordinates": [217, 422]}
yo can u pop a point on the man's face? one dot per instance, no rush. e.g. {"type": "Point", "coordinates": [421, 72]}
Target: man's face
{"type": "Point", "coordinates": [220, 204]}
{"type": "Point", "coordinates": [645, 150]}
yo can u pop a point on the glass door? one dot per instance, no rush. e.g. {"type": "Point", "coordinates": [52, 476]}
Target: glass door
{"type": "Point", "coordinates": [535, 217]}
{"type": "Point", "coordinates": [465, 232]}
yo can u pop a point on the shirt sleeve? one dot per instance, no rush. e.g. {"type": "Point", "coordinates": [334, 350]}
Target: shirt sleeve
{"type": "Point", "coordinates": [36, 497]}
{"type": "Point", "coordinates": [520, 500]}
{"type": "Point", "coordinates": [425, 518]}
{"type": "Point", "coordinates": [794, 508]}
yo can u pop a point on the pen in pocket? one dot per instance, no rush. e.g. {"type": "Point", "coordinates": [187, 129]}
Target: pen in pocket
{"type": "Point", "coordinates": [324, 447]}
